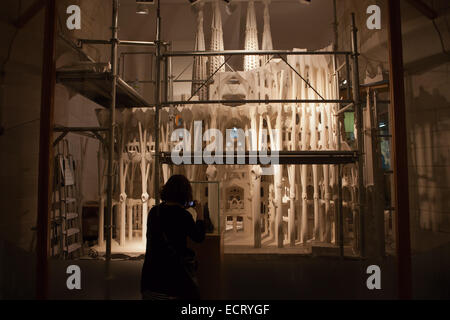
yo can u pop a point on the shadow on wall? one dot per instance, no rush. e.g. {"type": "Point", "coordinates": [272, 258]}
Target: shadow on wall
{"type": "Point", "coordinates": [431, 279]}
{"type": "Point", "coordinates": [17, 272]}
{"type": "Point", "coordinates": [429, 133]}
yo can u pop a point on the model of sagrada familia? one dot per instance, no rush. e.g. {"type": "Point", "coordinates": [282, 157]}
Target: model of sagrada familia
{"type": "Point", "coordinates": [291, 206]}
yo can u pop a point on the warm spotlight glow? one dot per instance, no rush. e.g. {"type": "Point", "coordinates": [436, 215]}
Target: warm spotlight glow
{"type": "Point", "coordinates": [142, 9]}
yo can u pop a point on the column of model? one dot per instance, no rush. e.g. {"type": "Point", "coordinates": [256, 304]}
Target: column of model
{"type": "Point", "coordinates": [123, 171]}
{"type": "Point", "coordinates": [305, 134]}
{"type": "Point", "coordinates": [324, 222]}
{"type": "Point", "coordinates": [292, 168]}
{"type": "Point", "coordinates": [276, 145]}
{"type": "Point", "coordinates": [255, 177]}
{"type": "Point", "coordinates": [144, 120]}
{"type": "Point", "coordinates": [213, 194]}
{"type": "Point", "coordinates": [166, 130]}
{"type": "Point", "coordinates": [330, 171]}
{"type": "Point", "coordinates": [314, 146]}
{"type": "Point", "coordinates": [215, 139]}
{"type": "Point", "coordinates": [134, 206]}
{"type": "Point", "coordinates": [189, 115]}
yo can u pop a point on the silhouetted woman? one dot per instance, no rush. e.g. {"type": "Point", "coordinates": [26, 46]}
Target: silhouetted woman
{"type": "Point", "coordinates": [169, 267]}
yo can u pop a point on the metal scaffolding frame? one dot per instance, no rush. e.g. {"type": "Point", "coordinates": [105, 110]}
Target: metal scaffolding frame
{"type": "Point", "coordinates": [254, 157]}
{"type": "Point", "coordinates": [65, 130]}
{"type": "Point", "coordinates": [115, 42]}
{"type": "Point", "coordinates": [267, 101]}
{"type": "Point", "coordinates": [253, 53]}
{"type": "Point", "coordinates": [306, 157]}
{"type": "Point", "coordinates": [163, 59]}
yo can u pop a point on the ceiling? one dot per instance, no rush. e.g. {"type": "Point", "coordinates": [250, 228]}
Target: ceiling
{"type": "Point", "coordinates": [293, 24]}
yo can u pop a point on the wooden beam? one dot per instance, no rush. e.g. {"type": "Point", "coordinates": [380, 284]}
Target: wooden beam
{"type": "Point", "coordinates": [399, 148]}
{"type": "Point", "coordinates": [45, 150]}
{"type": "Point", "coordinates": [424, 8]}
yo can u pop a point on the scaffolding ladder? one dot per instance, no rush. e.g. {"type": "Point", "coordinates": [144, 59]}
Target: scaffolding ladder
{"type": "Point", "coordinates": [66, 236]}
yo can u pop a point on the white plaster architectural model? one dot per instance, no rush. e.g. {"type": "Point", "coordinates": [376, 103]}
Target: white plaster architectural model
{"type": "Point", "coordinates": [296, 204]}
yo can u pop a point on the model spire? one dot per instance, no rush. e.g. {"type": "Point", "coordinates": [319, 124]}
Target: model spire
{"type": "Point", "coordinates": [199, 69]}
{"type": "Point", "coordinates": [267, 35]}
{"type": "Point", "coordinates": [251, 38]}
{"type": "Point", "coordinates": [216, 40]}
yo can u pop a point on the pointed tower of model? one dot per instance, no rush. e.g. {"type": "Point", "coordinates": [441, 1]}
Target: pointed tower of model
{"type": "Point", "coordinates": [216, 62]}
{"type": "Point", "coordinates": [251, 38]}
{"type": "Point", "coordinates": [199, 69]}
{"type": "Point", "coordinates": [267, 35]}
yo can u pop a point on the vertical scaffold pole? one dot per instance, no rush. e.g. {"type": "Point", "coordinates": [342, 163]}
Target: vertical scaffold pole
{"type": "Point", "coordinates": [169, 61]}
{"type": "Point", "coordinates": [339, 228]}
{"type": "Point", "coordinates": [112, 124]}
{"type": "Point", "coordinates": [157, 99]}
{"type": "Point", "coordinates": [360, 135]}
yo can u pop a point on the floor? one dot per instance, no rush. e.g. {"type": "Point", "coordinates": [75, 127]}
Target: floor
{"type": "Point", "coordinates": [243, 276]}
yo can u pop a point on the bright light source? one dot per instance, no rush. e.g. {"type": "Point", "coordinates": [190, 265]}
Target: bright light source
{"type": "Point", "coordinates": [142, 9]}
{"type": "Point", "coordinates": [234, 133]}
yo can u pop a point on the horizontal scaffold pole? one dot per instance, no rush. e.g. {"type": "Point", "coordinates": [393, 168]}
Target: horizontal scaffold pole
{"type": "Point", "coordinates": [81, 42]}
{"type": "Point", "coordinates": [256, 101]}
{"type": "Point", "coordinates": [79, 129]}
{"type": "Point", "coordinates": [257, 52]}
{"type": "Point", "coordinates": [261, 158]}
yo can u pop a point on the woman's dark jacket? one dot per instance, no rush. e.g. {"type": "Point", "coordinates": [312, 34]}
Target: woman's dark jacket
{"type": "Point", "coordinates": [161, 272]}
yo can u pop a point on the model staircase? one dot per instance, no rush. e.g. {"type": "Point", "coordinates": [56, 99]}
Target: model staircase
{"type": "Point", "coordinates": [66, 235]}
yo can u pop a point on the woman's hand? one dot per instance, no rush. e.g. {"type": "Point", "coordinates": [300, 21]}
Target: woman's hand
{"type": "Point", "coordinates": [199, 209]}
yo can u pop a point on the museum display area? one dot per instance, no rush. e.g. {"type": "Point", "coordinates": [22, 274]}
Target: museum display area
{"type": "Point", "coordinates": [285, 101]}
{"type": "Point", "coordinates": [280, 113]}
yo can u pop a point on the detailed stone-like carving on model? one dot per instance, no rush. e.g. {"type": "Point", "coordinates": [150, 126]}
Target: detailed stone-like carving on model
{"type": "Point", "coordinates": [293, 205]}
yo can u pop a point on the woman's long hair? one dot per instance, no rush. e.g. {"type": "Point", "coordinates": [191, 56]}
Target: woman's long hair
{"type": "Point", "coordinates": [177, 189]}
